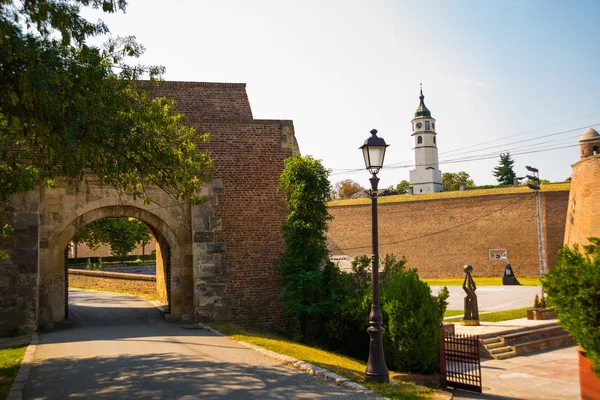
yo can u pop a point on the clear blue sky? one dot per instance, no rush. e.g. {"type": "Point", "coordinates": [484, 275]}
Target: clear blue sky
{"type": "Point", "coordinates": [490, 70]}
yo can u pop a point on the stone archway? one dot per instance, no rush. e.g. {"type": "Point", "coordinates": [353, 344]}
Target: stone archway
{"type": "Point", "coordinates": [170, 225]}
{"type": "Point", "coordinates": [162, 261]}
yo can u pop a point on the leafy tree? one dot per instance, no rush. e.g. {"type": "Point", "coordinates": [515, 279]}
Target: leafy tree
{"type": "Point", "coordinates": [346, 188]}
{"type": "Point", "coordinates": [573, 288]}
{"type": "Point", "coordinates": [122, 235]}
{"type": "Point", "coordinates": [69, 109]}
{"type": "Point", "coordinates": [305, 262]}
{"type": "Point", "coordinates": [452, 180]}
{"type": "Point", "coordinates": [504, 172]}
{"type": "Point", "coordinates": [401, 188]}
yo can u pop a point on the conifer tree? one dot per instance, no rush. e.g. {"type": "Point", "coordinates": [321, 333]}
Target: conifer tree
{"type": "Point", "coordinates": [504, 172]}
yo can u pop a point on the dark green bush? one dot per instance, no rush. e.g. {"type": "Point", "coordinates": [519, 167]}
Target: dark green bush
{"type": "Point", "coordinates": [346, 327]}
{"type": "Point", "coordinates": [411, 315]}
{"type": "Point", "coordinates": [413, 323]}
{"type": "Point", "coordinates": [573, 288]}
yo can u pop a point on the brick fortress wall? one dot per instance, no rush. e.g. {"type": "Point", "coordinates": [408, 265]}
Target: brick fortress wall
{"type": "Point", "coordinates": [248, 241]}
{"type": "Point", "coordinates": [440, 236]}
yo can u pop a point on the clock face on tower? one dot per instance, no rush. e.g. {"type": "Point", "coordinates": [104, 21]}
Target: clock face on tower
{"type": "Point", "coordinates": [419, 125]}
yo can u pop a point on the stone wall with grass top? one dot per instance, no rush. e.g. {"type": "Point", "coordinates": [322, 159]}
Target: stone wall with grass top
{"type": "Point", "coordinates": [440, 234]}
{"type": "Point", "coordinates": [113, 282]}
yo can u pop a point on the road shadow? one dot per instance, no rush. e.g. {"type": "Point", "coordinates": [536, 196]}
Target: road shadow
{"type": "Point", "coordinates": [167, 376]}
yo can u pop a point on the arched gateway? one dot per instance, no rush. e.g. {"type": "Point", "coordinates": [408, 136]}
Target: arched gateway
{"type": "Point", "coordinates": [217, 259]}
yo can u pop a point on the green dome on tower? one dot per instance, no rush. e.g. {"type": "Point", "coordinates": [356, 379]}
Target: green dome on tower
{"type": "Point", "coordinates": [422, 111]}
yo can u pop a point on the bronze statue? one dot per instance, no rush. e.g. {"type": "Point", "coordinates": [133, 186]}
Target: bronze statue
{"type": "Point", "coordinates": [471, 309]}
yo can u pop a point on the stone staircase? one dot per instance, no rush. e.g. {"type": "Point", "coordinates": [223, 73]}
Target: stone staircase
{"type": "Point", "coordinates": [511, 344]}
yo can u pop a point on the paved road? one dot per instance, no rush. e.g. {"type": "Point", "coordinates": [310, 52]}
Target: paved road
{"type": "Point", "coordinates": [493, 298]}
{"type": "Point", "coordinates": [120, 348]}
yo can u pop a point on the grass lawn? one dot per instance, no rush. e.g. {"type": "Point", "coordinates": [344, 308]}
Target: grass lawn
{"type": "Point", "coordinates": [491, 317]}
{"type": "Point", "coordinates": [452, 313]}
{"type": "Point", "coordinates": [10, 361]}
{"type": "Point", "coordinates": [341, 365]}
{"type": "Point", "coordinates": [451, 195]}
{"type": "Point", "coordinates": [480, 281]}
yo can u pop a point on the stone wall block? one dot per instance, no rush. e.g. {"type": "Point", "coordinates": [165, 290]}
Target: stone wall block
{"type": "Point", "coordinates": [215, 223]}
{"type": "Point", "coordinates": [204, 237]}
{"type": "Point", "coordinates": [288, 135]}
{"type": "Point", "coordinates": [213, 248]}
{"type": "Point", "coordinates": [206, 271]}
{"type": "Point", "coordinates": [24, 220]}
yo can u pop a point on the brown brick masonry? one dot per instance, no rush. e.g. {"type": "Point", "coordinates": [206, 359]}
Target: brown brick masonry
{"type": "Point", "coordinates": [439, 236]}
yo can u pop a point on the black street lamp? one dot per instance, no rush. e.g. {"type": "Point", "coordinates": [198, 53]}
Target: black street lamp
{"type": "Point", "coordinates": [374, 153]}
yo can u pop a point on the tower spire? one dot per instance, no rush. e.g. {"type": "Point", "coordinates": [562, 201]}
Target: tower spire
{"type": "Point", "coordinates": [422, 111]}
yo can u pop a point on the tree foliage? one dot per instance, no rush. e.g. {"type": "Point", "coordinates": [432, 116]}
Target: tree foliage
{"type": "Point", "coordinates": [452, 180]}
{"type": "Point", "coordinates": [401, 188]}
{"type": "Point", "coordinates": [573, 288]}
{"type": "Point", "coordinates": [346, 188]}
{"type": "Point", "coordinates": [504, 172]}
{"type": "Point", "coordinates": [122, 235]}
{"type": "Point", "coordinates": [307, 190]}
{"type": "Point", "coordinates": [69, 109]}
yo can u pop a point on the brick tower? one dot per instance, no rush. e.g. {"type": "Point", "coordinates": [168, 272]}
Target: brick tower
{"type": "Point", "coordinates": [583, 214]}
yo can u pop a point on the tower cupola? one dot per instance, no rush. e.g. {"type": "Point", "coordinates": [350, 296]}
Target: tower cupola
{"type": "Point", "coordinates": [422, 111]}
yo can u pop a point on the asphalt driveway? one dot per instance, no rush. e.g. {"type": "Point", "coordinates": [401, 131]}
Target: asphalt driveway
{"type": "Point", "coordinates": [120, 348]}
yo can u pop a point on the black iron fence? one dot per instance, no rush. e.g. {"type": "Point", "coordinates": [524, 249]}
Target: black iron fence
{"type": "Point", "coordinates": [460, 363]}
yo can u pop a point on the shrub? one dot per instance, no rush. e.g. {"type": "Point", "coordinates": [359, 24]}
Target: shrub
{"type": "Point", "coordinates": [91, 266]}
{"type": "Point", "coordinates": [573, 287]}
{"type": "Point", "coordinates": [414, 316]}
{"type": "Point", "coordinates": [536, 301]}
{"type": "Point", "coordinates": [346, 328]}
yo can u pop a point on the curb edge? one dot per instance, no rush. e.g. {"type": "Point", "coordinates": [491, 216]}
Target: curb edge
{"type": "Point", "coordinates": [18, 386]}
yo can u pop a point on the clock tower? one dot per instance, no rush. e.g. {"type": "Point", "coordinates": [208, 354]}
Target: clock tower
{"type": "Point", "coordinates": [426, 177]}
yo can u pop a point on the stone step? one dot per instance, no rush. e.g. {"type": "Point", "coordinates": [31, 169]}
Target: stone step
{"type": "Point", "coordinates": [544, 344]}
{"type": "Point", "coordinates": [517, 330]}
{"type": "Point", "coordinates": [504, 356]}
{"type": "Point", "coordinates": [500, 350]}
{"type": "Point", "coordinates": [488, 341]}
{"type": "Point", "coordinates": [531, 335]}
{"type": "Point", "coordinates": [495, 345]}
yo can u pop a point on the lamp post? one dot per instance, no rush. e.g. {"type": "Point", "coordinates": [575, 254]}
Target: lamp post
{"type": "Point", "coordinates": [374, 153]}
{"type": "Point", "coordinates": [535, 185]}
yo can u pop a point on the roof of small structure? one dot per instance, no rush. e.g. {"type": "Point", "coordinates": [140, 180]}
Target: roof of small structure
{"type": "Point", "coordinates": [589, 134]}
